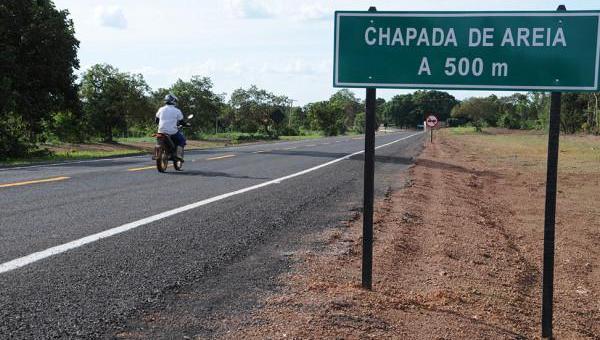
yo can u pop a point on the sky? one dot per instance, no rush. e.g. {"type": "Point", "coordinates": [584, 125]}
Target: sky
{"type": "Point", "coordinates": [283, 46]}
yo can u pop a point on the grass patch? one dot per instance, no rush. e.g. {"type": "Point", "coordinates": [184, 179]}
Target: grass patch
{"type": "Point", "coordinates": [234, 137]}
{"type": "Point", "coordinates": [302, 137]}
{"type": "Point", "coordinates": [68, 156]}
{"type": "Point", "coordinates": [577, 153]}
{"type": "Point", "coordinates": [147, 139]}
{"type": "Point", "coordinates": [463, 130]}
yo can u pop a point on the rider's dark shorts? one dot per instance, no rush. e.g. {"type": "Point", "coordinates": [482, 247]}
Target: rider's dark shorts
{"type": "Point", "coordinates": [178, 139]}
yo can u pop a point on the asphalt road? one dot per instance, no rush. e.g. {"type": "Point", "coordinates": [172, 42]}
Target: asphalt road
{"type": "Point", "coordinates": [89, 249]}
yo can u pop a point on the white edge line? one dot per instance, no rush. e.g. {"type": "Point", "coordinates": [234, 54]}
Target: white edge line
{"type": "Point", "coordinates": [40, 255]}
{"type": "Point", "coordinates": [450, 86]}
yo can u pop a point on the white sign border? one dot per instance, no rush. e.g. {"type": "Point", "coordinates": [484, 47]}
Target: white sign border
{"type": "Point", "coordinates": [337, 83]}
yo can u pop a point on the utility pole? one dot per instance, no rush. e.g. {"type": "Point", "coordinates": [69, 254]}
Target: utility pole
{"type": "Point", "coordinates": [596, 113]}
{"type": "Point", "coordinates": [290, 112]}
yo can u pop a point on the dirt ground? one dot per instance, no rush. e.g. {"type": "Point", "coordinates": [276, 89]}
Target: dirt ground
{"type": "Point", "coordinates": [458, 251]}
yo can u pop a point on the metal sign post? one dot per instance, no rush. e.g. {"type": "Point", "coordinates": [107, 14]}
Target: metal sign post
{"type": "Point", "coordinates": [550, 211]}
{"type": "Point", "coordinates": [369, 184]}
{"type": "Point", "coordinates": [550, 215]}
{"type": "Point", "coordinates": [369, 177]}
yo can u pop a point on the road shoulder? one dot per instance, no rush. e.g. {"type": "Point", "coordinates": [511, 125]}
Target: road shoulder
{"type": "Point", "coordinates": [457, 255]}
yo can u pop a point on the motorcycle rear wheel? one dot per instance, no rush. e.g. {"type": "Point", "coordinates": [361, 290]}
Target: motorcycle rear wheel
{"type": "Point", "coordinates": [162, 161]}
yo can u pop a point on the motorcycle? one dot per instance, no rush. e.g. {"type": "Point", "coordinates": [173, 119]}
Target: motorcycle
{"type": "Point", "coordinates": [166, 150]}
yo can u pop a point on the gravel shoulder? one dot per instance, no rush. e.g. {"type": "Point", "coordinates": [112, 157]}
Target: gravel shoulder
{"type": "Point", "coordinates": [457, 251]}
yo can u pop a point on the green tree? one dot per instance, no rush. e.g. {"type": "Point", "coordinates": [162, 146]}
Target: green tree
{"type": "Point", "coordinates": [346, 101]}
{"type": "Point", "coordinates": [38, 55]}
{"type": "Point", "coordinates": [67, 127]}
{"type": "Point", "coordinates": [437, 103]}
{"type": "Point", "coordinates": [13, 143]}
{"type": "Point", "coordinates": [360, 122]}
{"type": "Point", "coordinates": [479, 111]}
{"type": "Point", "coordinates": [516, 112]}
{"type": "Point", "coordinates": [540, 104]}
{"type": "Point", "coordinates": [380, 111]}
{"type": "Point", "coordinates": [326, 117]}
{"type": "Point", "coordinates": [196, 97]}
{"type": "Point", "coordinates": [110, 98]}
{"type": "Point", "coordinates": [255, 109]}
{"type": "Point", "coordinates": [401, 111]}
{"type": "Point", "coordinates": [572, 113]}
{"type": "Point", "coordinates": [298, 118]}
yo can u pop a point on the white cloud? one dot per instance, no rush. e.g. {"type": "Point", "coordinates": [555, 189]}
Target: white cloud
{"type": "Point", "coordinates": [208, 68]}
{"type": "Point", "coordinates": [251, 9]}
{"type": "Point", "coordinates": [296, 67]}
{"type": "Point", "coordinates": [263, 9]}
{"type": "Point", "coordinates": [314, 11]}
{"type": "Point", "coordinates": [111, 16]}
{"type": "Point", "coordinates": [235, 68]}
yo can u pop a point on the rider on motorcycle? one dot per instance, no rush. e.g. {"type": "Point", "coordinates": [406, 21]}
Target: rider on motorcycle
{"type": "Point", "coordinates": [168, 118]}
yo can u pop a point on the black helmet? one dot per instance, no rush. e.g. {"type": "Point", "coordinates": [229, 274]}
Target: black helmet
{"type": "Point", "coordinates": [170, 99]}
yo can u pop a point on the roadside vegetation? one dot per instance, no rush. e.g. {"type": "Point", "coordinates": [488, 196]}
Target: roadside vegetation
{"type": "Point", "coordinates": [45, 102]}
{"type": "Point", "coordinates": [579, 112]}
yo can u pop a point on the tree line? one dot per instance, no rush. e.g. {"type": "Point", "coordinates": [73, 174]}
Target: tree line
{"type": "Point", "coordinates": [41, 98]}
{"type": "Point", "coordinates": [580, 112]}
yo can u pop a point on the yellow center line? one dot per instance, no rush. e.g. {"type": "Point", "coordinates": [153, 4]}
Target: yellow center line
{"type": "Point", "coordinates": [309, 145]}
{"type": "Point", "coordinates": [45, 180]}
{"type": "Point", "coordinates": [143, 168]}
{"type": "Point", "coordinates": [219, 157]}
{"type": "Point", "coordinates": [357, 138]}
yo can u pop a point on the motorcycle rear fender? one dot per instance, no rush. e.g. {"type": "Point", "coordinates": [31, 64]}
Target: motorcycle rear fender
{"type": "Point", "coordinates": [165, 141]}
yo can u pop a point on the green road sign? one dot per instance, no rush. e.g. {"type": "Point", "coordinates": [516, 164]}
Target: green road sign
{"type": "Point", "coordinates": [537, 51]}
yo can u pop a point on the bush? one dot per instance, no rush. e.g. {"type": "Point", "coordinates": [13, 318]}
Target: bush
{"type": "Point", "coordinates": [586, 127]}
{"type": "Point", "coordinates": [453, 122]}
{"type": "Point", "coordinates": [240, 137]}
{"type": "Point", "coordinates": [479, 125]}
{"type": "Point", "coordinates": [289, 131]}
{"type": "Point", "coordinates": [359, 122]}
{"type": "Point", "coordinates": [508, 121]}
{"type": "Point", "coordinates": [14, 141]}
{"type": "Point", "coordinates": [143, 130]}
{"type": "Point", "coordinates": [529, 124]}
{"type": "Point", "coordinates": [235, 137]}
{"type": "Point", "coordinates": [67, 127]}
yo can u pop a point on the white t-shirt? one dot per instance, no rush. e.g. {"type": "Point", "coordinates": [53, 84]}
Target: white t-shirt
{"type": "Point", "coordinates": [168, 116]}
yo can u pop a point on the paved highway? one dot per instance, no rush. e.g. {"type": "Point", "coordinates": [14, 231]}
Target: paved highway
{"type": "Point", "coordinates": [88, 249]}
